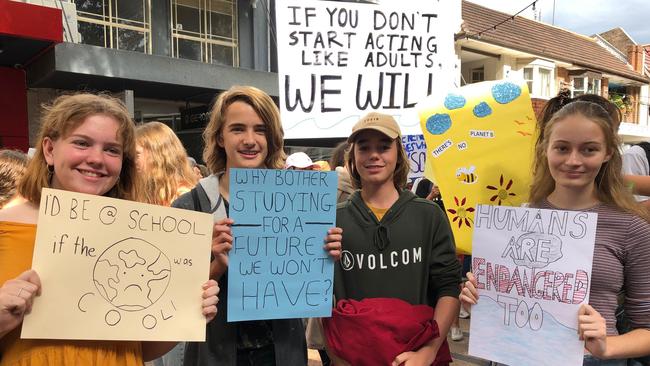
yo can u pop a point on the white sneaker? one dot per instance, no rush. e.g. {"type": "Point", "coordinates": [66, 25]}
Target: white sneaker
{"type": "Point", "coordinates": [456, 334]}
{"type": "Point", "coordinates": [463, 314]}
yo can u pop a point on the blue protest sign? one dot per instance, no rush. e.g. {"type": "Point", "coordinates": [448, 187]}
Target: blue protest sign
{"type": "Point", "coordinates": [416, 152]}
{"type": "Point", "coordinates": [277, 266]}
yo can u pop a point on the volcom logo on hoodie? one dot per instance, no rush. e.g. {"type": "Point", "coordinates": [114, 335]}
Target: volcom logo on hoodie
{"type": "Point", "coordinates": [391, 259]}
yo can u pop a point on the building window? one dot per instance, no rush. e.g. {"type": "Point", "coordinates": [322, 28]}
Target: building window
{"type": "Point", "coordinates": [478, 75]}
{"type": "Point", "coordinates": [528, 77]}
{"type": "Point", "coordinates": [539, 78]}
{"type": "Point", "coordinates": [205, 30]}
{"type": "Point", "coordinates": [594, 87]}
{"type": "Point", "coordinates": [545, 82]}
{"type": "Point", "coordinates": [120, 24]}
{"type": "Point", "coordinates": [585, 85]}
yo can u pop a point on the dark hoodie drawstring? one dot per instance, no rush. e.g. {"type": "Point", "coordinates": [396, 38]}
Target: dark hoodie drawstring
{"type": "Point", "coordinates": [380, 238]}
{"type": "Point", "coordinates": [368, 219]}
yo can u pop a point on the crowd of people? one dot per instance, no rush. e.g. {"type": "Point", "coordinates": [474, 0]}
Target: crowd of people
{"type": "Point", "coordinates": [402, 314]}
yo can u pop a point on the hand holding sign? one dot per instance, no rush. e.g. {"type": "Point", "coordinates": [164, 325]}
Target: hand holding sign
{"type": "Point", "coordinates": [16, 298]}
{"type": "Point", "coordinates": [592, 328]}
{"type": "Point", "coordinates": [469, 294]}
{"type": "Point", "coordinates": [210, 299]}
{"type": "Point", "coordinates": [333, 242]}
{"type": "Point", "coordinates": [221, 245]}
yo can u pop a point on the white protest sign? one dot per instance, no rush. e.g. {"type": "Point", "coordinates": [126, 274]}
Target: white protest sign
{"type": "Point", "coordinates": [118, 270]}
{"type": "Point", "coordinates": [416, 152]}
{"type": "Point", "coordinates": [533, 269]}
{"type": "Point", "coordinates": [338, 61]}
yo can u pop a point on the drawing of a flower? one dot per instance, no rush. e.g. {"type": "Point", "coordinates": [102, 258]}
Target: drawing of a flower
{"type": "Point", "coordinates": [461, 213]}
{"type": "Point", "coordinates": [503, 192]}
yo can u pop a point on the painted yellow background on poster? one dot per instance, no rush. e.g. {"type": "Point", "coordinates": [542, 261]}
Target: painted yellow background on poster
{"type": "Point", "coordinates": [480, 142]}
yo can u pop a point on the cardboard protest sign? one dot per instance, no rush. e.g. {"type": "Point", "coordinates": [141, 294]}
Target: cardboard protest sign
{"type": "Point", "coordinates": [118, 270]}
{"type": "Point", "coordinates": [340, 60]}
{"type": "Point", "coordinates": [480, 140]}
{"type": "Point", "coordinates": [416, 151]}
{"type": "Point", "coordinates": [533, 269]}
{"type": "Point", "coordinates": [277, 267]}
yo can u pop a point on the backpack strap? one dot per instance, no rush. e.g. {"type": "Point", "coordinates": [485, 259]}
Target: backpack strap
{"type": "Point", "coordinates": [194, 192]}
{"type": "Point", "coordinates": [195, 199]}
{"type": "Point", "coordinates": [216, 207]}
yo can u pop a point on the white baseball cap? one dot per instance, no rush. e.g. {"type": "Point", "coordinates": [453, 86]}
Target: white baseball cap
{"type": "Point", "coordinates": [298, 160]}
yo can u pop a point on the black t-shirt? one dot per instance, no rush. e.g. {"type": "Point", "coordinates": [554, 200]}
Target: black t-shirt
{"type": "Point", "coordinates": [254, 333]}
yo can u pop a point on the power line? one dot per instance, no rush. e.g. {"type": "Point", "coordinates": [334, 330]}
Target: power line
{"type": "Point", "coordinates": [494, 27]}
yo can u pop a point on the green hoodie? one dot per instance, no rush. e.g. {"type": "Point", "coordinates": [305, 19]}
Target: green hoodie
{"type": "Point", "coordinates": [409, 254]}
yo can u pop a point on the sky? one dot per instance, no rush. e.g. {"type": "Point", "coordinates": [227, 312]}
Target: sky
{"type": "Point", "coordinates": [586, 16]}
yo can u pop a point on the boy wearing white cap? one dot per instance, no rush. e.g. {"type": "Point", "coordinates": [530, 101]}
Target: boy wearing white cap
{"type": "Point", "coordinates": [299, 161]}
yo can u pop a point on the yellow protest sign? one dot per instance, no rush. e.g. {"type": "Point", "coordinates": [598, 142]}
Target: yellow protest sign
{"type": "Point", "coordinates": [480, 142]}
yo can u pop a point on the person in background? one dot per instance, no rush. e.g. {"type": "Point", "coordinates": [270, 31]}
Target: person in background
{"type": "Point", "coordinates": [382, 219]}
{"type": "Point", "coordinates": [579, 168]}
{"type": "Point", "coordinates": [195, 167]}
{"type": "Point", "coordinates": [203, 170]}
{"type": "Point", "coordinates": [426, 189]}
{"type": "Point", "coordinates": [636, 163]}
{"type": "Point", "coordinates": [313, 330]}
{"type": "Point", "coordinates": [300, 161]}
{"type": "Point", "coordinates": [161, 158]}
{"type": "Point", "coordinates": [322, 165]}
{"type": "Point", "coordinates": [337, 161]}
{"type": "Point", "coordinates": [86, 144]}
{"type": "Point", "coordinates": [12, 167]}
{"type": "Point", "coordinates": [244, 132]}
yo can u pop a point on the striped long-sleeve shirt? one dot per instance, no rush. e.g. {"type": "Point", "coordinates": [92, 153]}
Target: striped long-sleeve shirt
{"type": "Point", "coordinates": [621, 260]}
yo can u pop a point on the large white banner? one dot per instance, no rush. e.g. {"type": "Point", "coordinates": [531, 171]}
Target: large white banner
{"type": "Point", "coordinates": [533, 269]}
{"type": "Point", "coordinates": [338, 61]}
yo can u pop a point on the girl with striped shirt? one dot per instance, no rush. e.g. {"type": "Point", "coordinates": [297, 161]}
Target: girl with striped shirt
{"type": "Point", "coordinates": [579, 168]}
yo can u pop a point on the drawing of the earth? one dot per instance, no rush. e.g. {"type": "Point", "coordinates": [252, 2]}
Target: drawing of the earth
{"type": "Point", "coordinates": [132, 274]}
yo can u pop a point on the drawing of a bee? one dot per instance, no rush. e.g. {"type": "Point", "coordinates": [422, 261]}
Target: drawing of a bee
{"type": "Point", "coordinates": [466, 175]}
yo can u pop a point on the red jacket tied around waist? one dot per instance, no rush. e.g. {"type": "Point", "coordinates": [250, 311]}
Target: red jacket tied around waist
{"type": "Point", "coordinates": [375, 331]}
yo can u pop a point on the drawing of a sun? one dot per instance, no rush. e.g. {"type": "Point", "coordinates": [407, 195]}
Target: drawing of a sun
{"type": "Point", "coordinates": [503, 192]}
{"type": "Point", "coordinates": [461, 213]}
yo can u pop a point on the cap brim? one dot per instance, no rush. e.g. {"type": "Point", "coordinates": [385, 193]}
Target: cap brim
{"type": "Point", "coordinates": [390, 133]}
{"type": "Point", "coordinates": [299, 166]}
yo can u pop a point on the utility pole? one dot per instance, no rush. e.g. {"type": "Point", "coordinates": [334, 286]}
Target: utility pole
{"type": "Point", "coordinates": [553, 21]}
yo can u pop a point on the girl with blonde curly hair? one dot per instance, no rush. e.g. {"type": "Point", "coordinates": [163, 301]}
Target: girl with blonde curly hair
{"type": "Point", "coordinates": [162, 159]}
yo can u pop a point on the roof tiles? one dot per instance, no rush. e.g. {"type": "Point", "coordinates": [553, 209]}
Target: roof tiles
{"type": "Point", "coordinates": [543, 40]}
